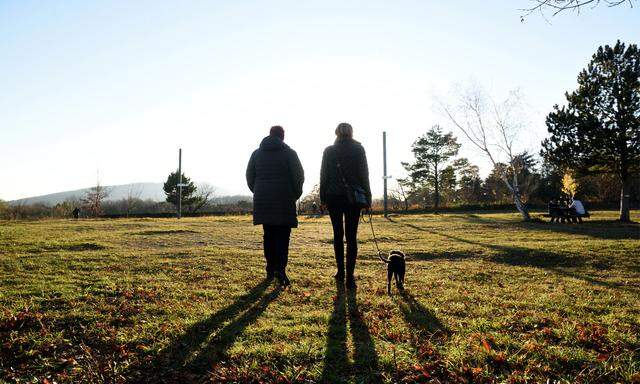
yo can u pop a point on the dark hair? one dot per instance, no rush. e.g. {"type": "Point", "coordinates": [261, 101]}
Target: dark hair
{"type": "Point", "coordinates": [277, 130]}
{"type": "Point", "coordinates": [344, 130]}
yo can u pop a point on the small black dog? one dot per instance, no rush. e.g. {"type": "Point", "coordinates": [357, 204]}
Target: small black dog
{"type": "Point", "coordinates": [396, 266]}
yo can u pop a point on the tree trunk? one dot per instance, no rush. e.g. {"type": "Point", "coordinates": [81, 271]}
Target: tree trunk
{"type": "Point", "coordinates": [624, 201]}
{"type": "Point", "coordinates": [516, 198]}
{"type": "Point", "coordinates": [520, 206]}
{"type": "Point", "coordinates": [437, 190]}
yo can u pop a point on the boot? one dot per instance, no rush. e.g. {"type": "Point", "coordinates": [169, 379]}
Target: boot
{"type": "Point", "coordinates": [283, 279]}
{"type": "Point", "coordinates": [351, 282]}
{"type": "Point", "coordinates": [351, 267]}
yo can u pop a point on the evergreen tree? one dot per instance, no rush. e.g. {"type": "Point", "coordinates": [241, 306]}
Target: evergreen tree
{"type": "Point", "coordinates": [550, 183]}
{"type": "Point", "coordinates": [468, 181]}
{"type": "Point", "coordinates": [188, 190]}
{"type": "Point", "coordinates": [495, 189]}
{"type": "Point", "coordinates": [433, 152]}
{"type": "Point", "coordinates": [599, 128]}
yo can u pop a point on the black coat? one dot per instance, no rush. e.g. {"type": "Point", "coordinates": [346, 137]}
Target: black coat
{"type": "Point", "coordinates": [275, 176]}
{"type": "Point", "coordinates": [353, 161]}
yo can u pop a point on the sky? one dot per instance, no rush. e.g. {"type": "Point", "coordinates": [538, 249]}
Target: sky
{"type": "Point", "coordinates": [110, 90]}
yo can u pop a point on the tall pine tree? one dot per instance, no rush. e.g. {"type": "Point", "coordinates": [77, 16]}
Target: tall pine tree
{"type": "Point", "coordinates": [598, 131]}
{"type": "Point", "coordinates": [433, 152]}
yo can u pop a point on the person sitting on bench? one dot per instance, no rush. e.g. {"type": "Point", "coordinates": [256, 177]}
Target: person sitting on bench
{"type": "Point", "coordinates": [578, 210]}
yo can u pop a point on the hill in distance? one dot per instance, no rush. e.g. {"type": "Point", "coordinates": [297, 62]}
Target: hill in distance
{"type": "Point", "coordinates": [144, 191]}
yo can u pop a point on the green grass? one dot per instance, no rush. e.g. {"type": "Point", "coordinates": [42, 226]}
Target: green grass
{"type": "Point", "coordinates": [488, 299]}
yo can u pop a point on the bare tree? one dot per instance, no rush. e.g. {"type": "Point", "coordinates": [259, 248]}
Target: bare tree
{"type": "Point", "coordinates": [558, 6]}
{"type": "Point", "coordinates": [93, 198]}
{"type": "Point", "coordinates": [306, 202]}
{"type": "Point", "coordinates": [401, 195]}
{"type": "Point", "coordinates": [493, 128]}
{"type": "Point", "coordinates": [203, 196]}
{"type": "Point", "coordinates": [132, 200]}
{"type": "Point", "coordinates": [4, 210]}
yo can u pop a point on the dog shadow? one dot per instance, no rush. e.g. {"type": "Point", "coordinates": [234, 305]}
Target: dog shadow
{"type": "Point", "coordinates": [422, 320]}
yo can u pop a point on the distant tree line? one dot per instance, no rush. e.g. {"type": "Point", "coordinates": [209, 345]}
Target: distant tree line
{"type": "Point", "coordinates": [126, 207]}
{"type": "Point", "coordinates": [460, 185]}
{"type": "Point", "coordinates": [94, 203]}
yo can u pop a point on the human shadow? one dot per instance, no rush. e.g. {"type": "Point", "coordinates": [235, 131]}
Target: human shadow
{"type": "Point", "coordinates": [336, 359]}
{"type": "Point", "coordinates": [194, 352]}
{"type": "Point", "coordinates": [555, 262]}
{"type": "Point", "coordinates": [337, 367]}
{"type": "Point", "coordinates": [365, 358]}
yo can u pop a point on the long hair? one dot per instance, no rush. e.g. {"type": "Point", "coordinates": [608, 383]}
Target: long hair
{"type": "Point", "coordinates": [344, 131]}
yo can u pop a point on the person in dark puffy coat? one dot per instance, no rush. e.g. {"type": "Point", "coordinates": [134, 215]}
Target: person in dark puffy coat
{"type": "Point", "coordinates": [275, 176]}
{"type": "Point", "coordinates": [333, 195]}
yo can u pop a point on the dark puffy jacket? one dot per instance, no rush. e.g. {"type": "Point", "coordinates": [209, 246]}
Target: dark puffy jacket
{"type": "Point", "coordinates": [275, 176]}
{"type": "Point", "coordinates": [353, 161]}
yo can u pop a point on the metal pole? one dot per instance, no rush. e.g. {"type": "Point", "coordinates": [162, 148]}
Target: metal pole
{"type": "Point", "coordinates": [179, 183]}
{"type": "Point", "coordinates": [384, 162]}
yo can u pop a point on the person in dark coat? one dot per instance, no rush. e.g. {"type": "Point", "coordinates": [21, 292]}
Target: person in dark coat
{"type": "Point", "coordinates": [554, 210]}
{"type": "Point", "coordinates": [275, 176]}
{"type": "Point", "coordinates": [344, 215]}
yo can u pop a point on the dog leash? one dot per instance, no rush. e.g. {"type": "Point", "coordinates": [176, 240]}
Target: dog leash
{"type": "Point", "coordinates": [373, 232]}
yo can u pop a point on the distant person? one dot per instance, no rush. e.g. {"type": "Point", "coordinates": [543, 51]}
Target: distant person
{"type": "Point", "coordinates": [563, 209]}
{"type": "Point", "coordinates": [76, 213]}
{"type": "Point", "coordinates": [554, 210]}
{"type": "Point", "coordinates": [275, 176]}
{"type": "Point", "coordinates": [578, 210]}
{"type": "Point", "coordinates": [344, 167]}
{"type": "Point", "coordinates": [314, 208]}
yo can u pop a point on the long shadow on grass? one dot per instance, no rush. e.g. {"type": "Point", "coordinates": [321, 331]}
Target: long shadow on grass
{"type": "Point", "coordinates": [602, 229]}
{"type": "Point", "coordinates": [424, 323]}
{"type": "Point", "coordinates": [521, 256]}
{"type": "Point", "coordinates": [206, 342]}
{"type": "Point", "coordinates": [163, 232]}
{"type": "Point", "coordinates": [426, 330]}
{"type": "Point", "coordinates": [337, 367]}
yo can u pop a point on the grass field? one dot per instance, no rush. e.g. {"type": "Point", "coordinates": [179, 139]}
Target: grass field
{"type": "Point", "coordinates": [488, 299]}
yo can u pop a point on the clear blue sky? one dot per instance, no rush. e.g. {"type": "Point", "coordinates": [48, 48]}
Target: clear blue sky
{"type": "Point", "coordinates": [118, 86]}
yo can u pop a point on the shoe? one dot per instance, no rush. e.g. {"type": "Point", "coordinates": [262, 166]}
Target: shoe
{"type": "Point", "coordinates": [283, 279]}
{"type": "Point", "coordinates": [351, 283]}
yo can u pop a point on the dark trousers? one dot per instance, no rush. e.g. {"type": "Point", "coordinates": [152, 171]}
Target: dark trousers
{"type": "Point", "coordinates": [344, 219]}
{"type": "Point", "coordinates": [276, 247]}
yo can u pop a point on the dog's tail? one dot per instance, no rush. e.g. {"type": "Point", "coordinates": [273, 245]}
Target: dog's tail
{"type": "Point", "coordinates": [382, 258]}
